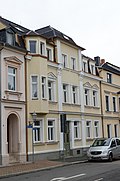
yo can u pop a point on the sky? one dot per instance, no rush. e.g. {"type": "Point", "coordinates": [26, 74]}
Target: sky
{"type": "Point", "coordinates": [92, 24]}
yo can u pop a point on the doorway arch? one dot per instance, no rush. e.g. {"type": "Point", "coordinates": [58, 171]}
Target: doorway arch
{"type": "Point", "coordinates": [12, 133]}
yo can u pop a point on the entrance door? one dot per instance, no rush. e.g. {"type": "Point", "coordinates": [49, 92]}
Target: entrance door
{"type": "Point", "coordinates": [12, 133]}
{"type": "Point", "coordinates": [67, 140]}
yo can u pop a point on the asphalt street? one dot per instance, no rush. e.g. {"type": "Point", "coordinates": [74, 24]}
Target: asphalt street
{"type": "Point", "coordinates": [90, 171]}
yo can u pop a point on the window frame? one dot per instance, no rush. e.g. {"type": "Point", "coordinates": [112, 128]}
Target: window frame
{"type": "Point", "coordinates": [88, 127]}
{"type": "Point", "coordinates": [87, 96]}
{"type": "Point", "coordinates": [92, 68]}
{"type": "Point", "coordinates": [107, 101]}
{"type": "Point", "coordinates": [49, 54]}
{"type": "Point", "coordinates": [109, 78]}
{"type": "Point", "coordinates": [74, 95]}
{"type": "Point", "coordinates": [42, 48]}
{"type": "Point", "coordinates": [40, 137]}
{"type": "Point", "coordinates": [114, 99]}
{"type": "Point", "coordinates": [109, 130]}
{"type": "Point", "coordinates": [37, 89]}
{"type": "Point", "coordinates": [35, 48]}
{"type": "Point", "coordinates": [14, 78]}
{"type": "Point", "coordinates": [95, 98]}
{"type": "Point", "coordinates": [44, 86]}
{"type": "Point", "coordinates": [53, 132]}
{"type": "Point", "coordinates": [77, 129]}
{"type": "Point", "coordinates": [116, 130]}
{"type": "Point", "coordinates": [64, 60]}
{"type": "Point", "coordinates": [73, 63]}
{"type": "Point", "coordinates": [96, 129]}
{"type": "Point", "coordinates": [65, 93]}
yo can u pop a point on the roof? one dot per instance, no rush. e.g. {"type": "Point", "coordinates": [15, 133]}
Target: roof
{"type": "Point", "coordinates": [111, 68]}
{"type": "Point", "coordinates": [88, 58]}
{"type": "Point", "coordinates": [50, 32]}
{"type": "Point", "coordinates": [17, 28]}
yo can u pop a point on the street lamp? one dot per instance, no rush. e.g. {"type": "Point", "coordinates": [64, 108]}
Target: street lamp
{"type": "Point", "coordinates": [34, 116]}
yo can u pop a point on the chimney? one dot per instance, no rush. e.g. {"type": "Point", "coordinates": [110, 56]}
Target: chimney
{"type": "Point", "coordinates": [102, 61]}
{"type": "Point", "coordinates": [97, 61]}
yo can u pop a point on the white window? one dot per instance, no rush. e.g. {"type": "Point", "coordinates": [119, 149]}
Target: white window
{"type": "Point", "coordinates": [38, 131]}
{"type": "Point", "coordinates": [109, 130]}
{"type": "Point", "coordinates": [64, 60]}
{"type": "Point", "coordinates": [32, 46]}
{"type": "Point", "coordinates": [76, 130]}
{"type": "Point", "coordinates": [107, 103]}
{"type": "Point", "coordinates": [51, 90]}
{"type": "Point", "coordinates": [95, 94]}
{"type": "Point", "coordinates": [49, 54]}
{"type": "Point", "coordinates": [86, 96]}
{"type": "Point", "coordinates": [74, 94]}
{"type": "Point", "coordinates": [51, 130]}
{"type": "Point", "coordinates": [114, 104]}
{"type": "Point", "coordinates": [96, 129]}
{"type": "Point", "coordinates": [11, 78]}
{"type": "Point", "coordinates": [84, 66]}
{"type": "Point", "coordinates": [10, 37]}
{"type": "Point", "coordinates": [109, 78]}
{"type": "Point", "coordinates": [88, 129]}
{"type": "Point", "coordinates": [73, 63]}
{"type": "Point", "coordinates": [116, 130]}
{"type": "Point", "coordinates": [34, 80]}
{"type": "Point", "coordinates": [44, 87]}
{"type": "Point", "coordinates": [42, 48]}
{"type": "Point", "coordinates": [65, 92]}
{"type": "Point", "coordinates": [92, 69]}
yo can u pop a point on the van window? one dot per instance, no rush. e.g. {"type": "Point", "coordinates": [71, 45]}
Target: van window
{"type": "Point", "coordinates": [113, 144]}
{"type": "Point", "coordinates": [101, 142]}
{"type": "Point", "coordinates": [118, 141]}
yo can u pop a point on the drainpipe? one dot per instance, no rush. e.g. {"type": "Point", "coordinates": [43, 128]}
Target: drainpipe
{"type": "Point", "coordinates": [0, 110]}
{"type": "Point", "coordinates": [26, 116]}
{"type": "Point", "coordinates": [27, 58]}
{"type": "Point", "coordinates": [101, 109]}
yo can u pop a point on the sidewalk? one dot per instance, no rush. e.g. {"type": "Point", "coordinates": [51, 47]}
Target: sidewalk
{"type": "Point", "coordinates": [18, 168]}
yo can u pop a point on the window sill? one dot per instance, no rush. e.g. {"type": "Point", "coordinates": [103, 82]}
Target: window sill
{"type": "Point", "coordinates": [75, 104]}
{"type": "Point", "coordinates": [115, 112]}
{"type": "Point", "coordinates": [37, 55]}
{"type": "Point", "coordinates": [34, 99]}
{"type": "Point", "coordinates": [88, 106]}
{"type": "Point", "coordinates": [108, 111]}
{"type": "Point", "coordinates": [89, 139]}
{"type": "Point", "coordinates": [53, 102]}
{"type": "Point", "coordinates": [44, 99]}
{"type": "Point", "coordinates": [92, 107]}
{"type": "Point", "coordinates": [52, 142]}
{"type": "Point", "coordinates": [77, 139]}
{"type": "Point", "coordinates": [39, 143]}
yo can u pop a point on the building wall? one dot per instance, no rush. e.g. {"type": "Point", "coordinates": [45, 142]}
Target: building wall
{"type": "Point", "coordinates": [13, 108]}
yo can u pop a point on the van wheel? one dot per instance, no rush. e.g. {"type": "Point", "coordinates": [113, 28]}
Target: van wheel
{"type": "Point", "coordinates": [110, 157]}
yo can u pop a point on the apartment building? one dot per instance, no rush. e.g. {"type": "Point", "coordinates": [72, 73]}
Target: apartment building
{"type": "Point", "coordinates": [91, 101]}
{"type": "Point", "coordinates": [54, 100]}
{"type": "Point", "coordinates": [110, 98]}
{"type": "Point", "coordinates": [12, 93]}
{"type": "Point", "coordinates": [53, 73]}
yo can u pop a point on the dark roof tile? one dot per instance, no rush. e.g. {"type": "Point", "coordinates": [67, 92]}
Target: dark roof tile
{"type": "Point", "coordinates": [49, 32]}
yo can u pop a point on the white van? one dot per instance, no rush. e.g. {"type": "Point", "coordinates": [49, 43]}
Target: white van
{"type": "Point", "coordinates": [104, 149]}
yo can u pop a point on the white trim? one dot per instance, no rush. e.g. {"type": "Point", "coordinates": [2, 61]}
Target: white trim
{"type": "Point", "coordinates": [37, 86]}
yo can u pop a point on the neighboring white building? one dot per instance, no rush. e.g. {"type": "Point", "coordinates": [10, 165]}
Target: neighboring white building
{"type": "Point", "coordinates": [12, 94]}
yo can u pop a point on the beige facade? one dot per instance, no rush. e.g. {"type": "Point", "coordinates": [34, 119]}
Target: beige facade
{"type": "Point", "coordinates": [74, 98]}
{"type": "Point", "coordinates": [110, 88]}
